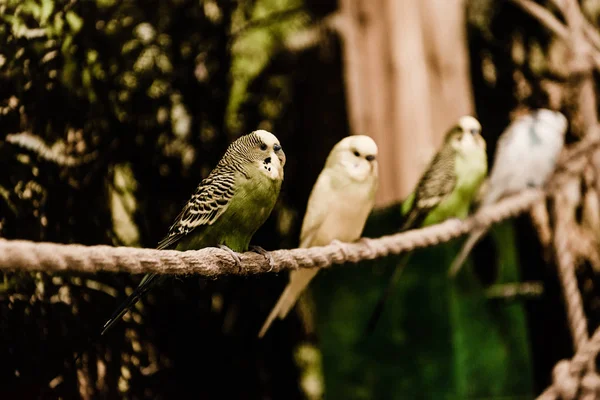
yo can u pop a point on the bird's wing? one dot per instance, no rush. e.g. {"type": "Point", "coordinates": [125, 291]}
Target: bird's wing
{"type": "Point", "coordinates": [319, 202]}
{"type": "Point", "coordinates": [511, 151]}
{"type": "Point", "coordinates": [506, 159]}
{"type": "Point", "coordinates": [435, 185]}
{"type": "Point", "coordinates": [211, 199]}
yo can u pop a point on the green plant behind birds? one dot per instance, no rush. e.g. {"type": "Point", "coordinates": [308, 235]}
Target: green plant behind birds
{"type": "Point", "coordinates": [227, 208]}
{"type": "Point", "coordinates": [446, 189]}
{"type": "Point", "coordinates": [526, 156]}
{"type": "Point", "coordinates": [337, 209]}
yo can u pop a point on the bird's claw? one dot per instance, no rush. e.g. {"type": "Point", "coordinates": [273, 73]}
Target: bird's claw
{"type": "Point", "coordinates": [339, 245]}
{"type": "Point", "coordinates": [266, 254]}
{"type": "Point", "coordinates": [233, 254]}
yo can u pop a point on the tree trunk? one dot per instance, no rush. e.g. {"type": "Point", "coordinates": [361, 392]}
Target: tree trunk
{"type": "Point", "coordinates": [407, 80]}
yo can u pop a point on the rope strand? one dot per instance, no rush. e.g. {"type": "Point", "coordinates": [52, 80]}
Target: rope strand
{"type": "Point", "coordinates": [566, 201]}
{"type": "Point", "coordinates": [567, 374]}
{"type": "Point", "coordinates": [213, 262]}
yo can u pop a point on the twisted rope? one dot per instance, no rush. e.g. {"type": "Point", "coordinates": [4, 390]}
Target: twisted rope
{"type": "Point", "coordinates": [567, 374]}
{"type": "Point", "coordinates": [566, 200]}
{"type": "Point", "coordinates": [576, 317]}
{"type": "Point", "coordinates": [213, 262]}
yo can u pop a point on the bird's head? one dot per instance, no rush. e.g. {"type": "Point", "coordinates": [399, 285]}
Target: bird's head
{"type": "Point", "coordinates": [356, 155]}
{"type": "Point", "coordinates": [263, 150]}
{"type": "Point", "coordinates": [465, 136]}
{"type": "Point", "coordinates": [552, 121]}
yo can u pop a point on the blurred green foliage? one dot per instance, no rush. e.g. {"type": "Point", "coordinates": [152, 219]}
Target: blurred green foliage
{"type": "Point", "coordinates": [437, 338]}
{"type": "Point", "coordinates": [115, 111]}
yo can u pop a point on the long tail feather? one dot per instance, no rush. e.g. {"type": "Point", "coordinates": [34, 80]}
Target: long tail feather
{"type": "Point", "coordinates": [464, 252]}
{"type": "Point", "coordinates": [285, 296]}
{"type": "Point", "coordinates": [392, 282]}
{"type": "Point", "coordinates": [146, 284]}
{"type": "Point", "coordinates": [299, 280]}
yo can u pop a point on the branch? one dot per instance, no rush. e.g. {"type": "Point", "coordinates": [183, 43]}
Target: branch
{"type": "Point", "coordinates": [592, 34]}
{"type": "Point", "coordinates": [547, 19]}
{"type": "Point", "coordinates": [35, 144]}
{"type": "Point", "coordinates": [515, 291]}
{"type": "Point", "coordinates": [271, 18]}
{"type": "Point", "coordinates": [214, 262]}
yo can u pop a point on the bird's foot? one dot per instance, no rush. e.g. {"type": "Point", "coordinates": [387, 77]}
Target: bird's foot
{"type": "Point", "coordinates": [341, 246]}
{"type": "Point", "coordinates": [266, 254]}
{"type": "Point", "coordinates": [367, 242]}
{"type": "Point", "coordinates": [233, 254]}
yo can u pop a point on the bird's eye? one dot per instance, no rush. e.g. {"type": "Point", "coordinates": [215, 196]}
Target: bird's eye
{"type": "Point", "coordinates": [356, 153]}
{"type": "Point", "coordinates": [263, 146]}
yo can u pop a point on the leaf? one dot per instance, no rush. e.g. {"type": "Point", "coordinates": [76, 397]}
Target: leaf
{"type": "Point", "coordinates": [59, 23]}
{"type": "Point", "coordinates": [46, 11]}
{"type": "Point", "coordinates": [75, 21]}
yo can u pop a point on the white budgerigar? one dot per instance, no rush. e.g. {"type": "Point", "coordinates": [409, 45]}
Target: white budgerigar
{"type": "Point", "coordinates": [338, 207]}
{"type": "Point", "coordinates": [526, 156]}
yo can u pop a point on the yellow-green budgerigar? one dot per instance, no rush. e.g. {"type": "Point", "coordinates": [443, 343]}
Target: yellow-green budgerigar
{"type": "Point", "coordinates": [446, 189]}
{"type": "Point", "coordinates": [228, 207]}
{"type": "Point", "coordinates": [338, 207]}
{"type": "Point", "coordinates": [525, 157]}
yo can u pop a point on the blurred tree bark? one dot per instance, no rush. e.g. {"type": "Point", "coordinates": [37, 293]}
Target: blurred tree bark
{"type": "Point", "coordinates": [407, 78]}
{"type": "Point", "coordinates": [444, 25]}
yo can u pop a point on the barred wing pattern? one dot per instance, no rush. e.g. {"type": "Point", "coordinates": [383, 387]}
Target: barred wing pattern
{"type": "Point", "coordinates": [435, 185]}
{"type": "Point", "coordinates": [210, 200]}
{"type": "Point", "coordinates": [214, 193]}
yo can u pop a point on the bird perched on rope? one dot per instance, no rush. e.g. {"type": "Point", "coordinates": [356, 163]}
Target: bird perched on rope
{"type": "Point", "coordinates": [338, 207]}
{"type": "Point", "coordinates": [446, 189]}
{"type": "Point", "coordinates": [525, 157]}
{"type": "Point", "coordinates": [227, 208]}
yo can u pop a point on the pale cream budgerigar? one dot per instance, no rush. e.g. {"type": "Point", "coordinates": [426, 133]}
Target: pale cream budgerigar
{"type": "Point", "coordinates": [339, 204]}
{"type": "Point", "coordinates": [526, 156]}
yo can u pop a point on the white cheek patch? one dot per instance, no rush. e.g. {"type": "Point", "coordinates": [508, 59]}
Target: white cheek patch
{"type": "Point", "coordinates": [271, 166]}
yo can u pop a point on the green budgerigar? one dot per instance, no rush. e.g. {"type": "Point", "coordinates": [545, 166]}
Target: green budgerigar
{"type": "Point", "coordinates": [446, 189]}
{"type": "Point", "coordinates": [227, 208]}
{"type": "Point", "coordinates": [526, 155]}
